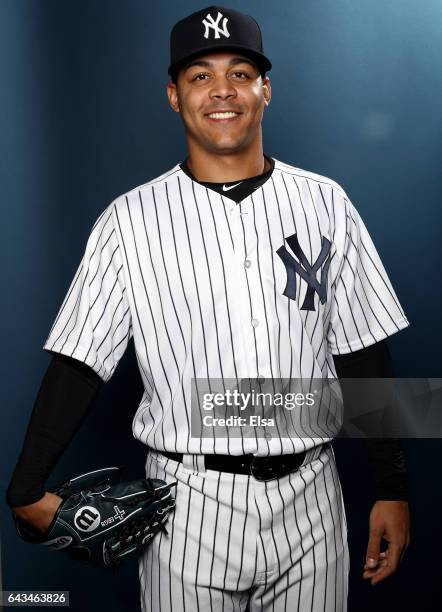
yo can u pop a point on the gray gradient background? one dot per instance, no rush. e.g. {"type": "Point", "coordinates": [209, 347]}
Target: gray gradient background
{"type": "Point", "coordinates": [84, 117]}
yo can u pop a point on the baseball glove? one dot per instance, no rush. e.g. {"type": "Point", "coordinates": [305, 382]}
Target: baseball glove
{"type": "Point", "coordinates": [103, 520]}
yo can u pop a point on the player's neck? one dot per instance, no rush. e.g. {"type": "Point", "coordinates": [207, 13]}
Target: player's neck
{"type": "Point", "coordinates": [217, 168]}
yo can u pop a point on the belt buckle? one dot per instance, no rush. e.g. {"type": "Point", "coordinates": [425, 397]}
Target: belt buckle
{"type": "Point", "coordinates": [282, 465]}
{"type": "Point", "coordinates": [268, 473]}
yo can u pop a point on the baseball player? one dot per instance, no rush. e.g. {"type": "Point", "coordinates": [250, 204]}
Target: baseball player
{"type": "Point", "coordinates": [232, 265]}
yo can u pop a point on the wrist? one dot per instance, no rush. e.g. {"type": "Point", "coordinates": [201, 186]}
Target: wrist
{"type": "Point", "coordinates": [49, 502]}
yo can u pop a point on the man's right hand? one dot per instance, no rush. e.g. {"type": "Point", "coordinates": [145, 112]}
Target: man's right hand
{"type": "Point", "coordinates": [40, 513]}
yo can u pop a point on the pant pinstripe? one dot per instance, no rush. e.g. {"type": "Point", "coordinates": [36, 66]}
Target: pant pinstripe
{"type": "Point", "coordinates": [237, 544]}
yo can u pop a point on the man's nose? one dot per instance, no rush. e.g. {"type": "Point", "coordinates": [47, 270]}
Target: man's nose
{"type": "Point", "coordinates": [222, 89]}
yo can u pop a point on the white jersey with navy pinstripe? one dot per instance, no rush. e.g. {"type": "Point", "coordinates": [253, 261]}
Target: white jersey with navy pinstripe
{"type": "Point", "coordinates": [209, 288]}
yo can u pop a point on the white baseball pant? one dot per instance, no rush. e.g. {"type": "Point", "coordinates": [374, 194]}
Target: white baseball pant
{"type": "Point", "coordinates": [238, 544]}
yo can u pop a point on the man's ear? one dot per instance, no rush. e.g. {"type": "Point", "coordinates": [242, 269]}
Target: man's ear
{"type": "Point", "coordinates": [172, 94]}
{"type": "Point", "coordinates": [267, 90]}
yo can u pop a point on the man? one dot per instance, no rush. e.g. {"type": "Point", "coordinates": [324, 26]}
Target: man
{"type": "Point", "coordinates": [195, 266]}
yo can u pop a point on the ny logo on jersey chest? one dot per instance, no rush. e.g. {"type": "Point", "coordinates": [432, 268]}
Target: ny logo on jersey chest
{"type": "Point", "coordinates": [306, 271]}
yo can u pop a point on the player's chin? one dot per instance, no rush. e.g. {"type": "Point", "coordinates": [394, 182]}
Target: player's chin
{"type": "Point", "coordinates": [227, 141]}
{"type": "Point", "coordinates": [224, 133]}
{"type": "Point", "coordinates": [223, 146]}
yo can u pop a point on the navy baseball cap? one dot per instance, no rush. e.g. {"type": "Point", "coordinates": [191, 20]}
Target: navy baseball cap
{"type": "Point", "coordinates": [215, 28]}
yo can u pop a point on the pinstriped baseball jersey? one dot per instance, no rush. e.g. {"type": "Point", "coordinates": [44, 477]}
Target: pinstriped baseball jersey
{"type": "Point", "coordinates": [270, 287]}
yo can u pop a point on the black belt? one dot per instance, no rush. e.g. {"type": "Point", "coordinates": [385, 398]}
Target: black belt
{"type": "Point", "coordinates": [262, 468]}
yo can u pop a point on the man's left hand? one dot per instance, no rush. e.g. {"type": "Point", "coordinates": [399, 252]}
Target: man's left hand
{"type": "Point", "coordinates": [389, 520]}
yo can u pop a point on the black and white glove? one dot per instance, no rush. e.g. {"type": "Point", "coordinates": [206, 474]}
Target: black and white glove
{"type": "Point", "coordinates": [103, 520]}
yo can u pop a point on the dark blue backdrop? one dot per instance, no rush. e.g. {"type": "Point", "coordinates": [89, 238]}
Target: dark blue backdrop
{"type": "Point", "coordinates": [84, 117]}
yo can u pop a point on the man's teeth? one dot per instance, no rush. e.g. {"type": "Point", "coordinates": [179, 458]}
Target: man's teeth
{"type": "Point", "coordinates": [222, 115]}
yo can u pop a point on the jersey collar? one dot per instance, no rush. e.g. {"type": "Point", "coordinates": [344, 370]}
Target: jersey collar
{"type": "Point", "coordinates": [239, 189]}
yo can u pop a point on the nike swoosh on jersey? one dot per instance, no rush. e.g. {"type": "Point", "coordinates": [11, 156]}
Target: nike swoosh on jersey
{"type": "Point", "coordinates": [231, 186]}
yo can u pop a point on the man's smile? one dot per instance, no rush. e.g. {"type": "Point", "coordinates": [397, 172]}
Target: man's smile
{"type": "Point", "coordinates": [223, 116]}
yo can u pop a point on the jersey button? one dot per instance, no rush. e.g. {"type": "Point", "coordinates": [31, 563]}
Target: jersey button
{"type": "Point", "coordinates": [247, 263]}
{"type": "Point", "coordinates": [255, 322]}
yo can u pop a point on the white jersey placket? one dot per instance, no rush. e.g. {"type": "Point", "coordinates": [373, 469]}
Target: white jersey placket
{"type": "Point", "coordinates": [250, 305]}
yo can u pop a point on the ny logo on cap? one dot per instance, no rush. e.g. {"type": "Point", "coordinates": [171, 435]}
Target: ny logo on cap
{"type": "Point", "coordinates": [306, 271]}
{"type": "Point", "coordinates": [209, 22]}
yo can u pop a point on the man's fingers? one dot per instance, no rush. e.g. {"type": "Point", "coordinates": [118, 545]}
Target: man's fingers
{"type": "Point", "coordinates": [373, 548]}
{"type": "Point", "coordinates": [382, 561]}
{"type": "Point", "coordinates": [377, 574]}
{"type": "Point", "coordinates": [389, 521]}
{"type": "Point", "coordinates": [394, 554]}
{"type": "Point", "coordinates": [387, 563]}
{"type": "Point", "coordinates": [382, 556]}
{"type": "Point", "coordinates": [389, 566]}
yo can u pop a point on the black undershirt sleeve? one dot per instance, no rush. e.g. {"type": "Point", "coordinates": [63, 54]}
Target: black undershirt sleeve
{"type": "Point", "coordinates": [386, 456]}
{"type": "Point", "coordinates": [65, 396]}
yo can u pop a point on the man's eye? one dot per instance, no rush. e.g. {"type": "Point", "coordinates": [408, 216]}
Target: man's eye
{"type": "Point", "coordinates": [240, 74]}
{"type": "Point", "coordinates": [199, 77]}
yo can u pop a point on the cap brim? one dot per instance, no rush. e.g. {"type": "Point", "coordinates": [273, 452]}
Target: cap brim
{"type": "Point", "coordinates": [263, 63]}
